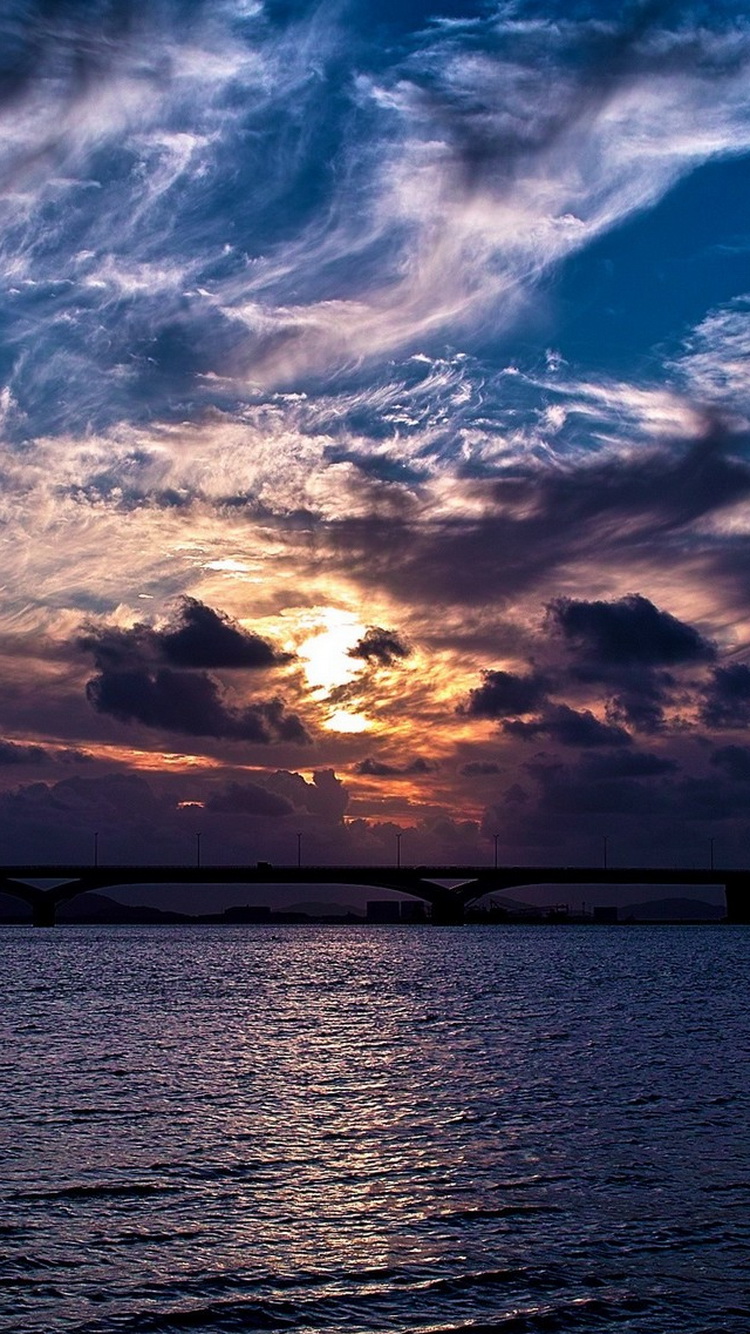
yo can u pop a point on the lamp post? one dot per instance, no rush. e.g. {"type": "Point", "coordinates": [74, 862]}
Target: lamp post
{"type": "Point", "coordinates": [197, 850]}
{"type": "Point", "coordinates": [605, 843]}
{"type": "Point", "coordinates": [299, 850]}
{"type": "Point", "coordinates": [96, 849]}
{"type": "Point", "coordinates": [495, 838]}
{"type": "Point", "coordinates": [399, 836]}
{"type": "Point", "coordinates": [711, 853]}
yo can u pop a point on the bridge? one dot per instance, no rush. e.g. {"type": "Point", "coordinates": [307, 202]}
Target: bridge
{"type": "Point", "coordinates": [465, 884]}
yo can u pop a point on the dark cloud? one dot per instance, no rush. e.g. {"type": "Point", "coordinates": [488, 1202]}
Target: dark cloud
{"type": "Point", "coordinates": [380, 646]}
{"type": "Point", "coordinates": [190, 703]}
{"type": "Point", "coordinates": [537, 522]}
{"type": "Point", "coordinates": [134, 687]}
{"type": "Point", "coordinates": [116, 649]}
{"type": "Point", "coordinates": [480, 769]}
{"type": "Point", "coordinates": [735, 761]}
{"type": "Point", "coordinates": [628, 632]}
{"type": "Point", "coordinates": [627, 764]}
{"type": "Point", "coordinates": [197, 637]}
{"type": "Point", "coordinates": [379, 769]}
{"type": "Point", "coordinates": [727, 698]}
{"type": "Point", "coordinates": [568, 789]}
{"type": "Point", "coordinates": [16, 752]}
{"type": "Point", "coordinates": [325, 796]}
{"type": "Point", "coordinates": [641, 702]}
{"type": "Point", "coordinates": [13, 752]}
{"type": "Point", "coordinates": [635, 648]}
{"type": "Point", "coordinates": [248, 799]}
{"type": "Point", "coordinates": [72, 755]}
{"type": "Point", "coordinates": [206, 638]}
{"type": "Point", "coordinates": [515, 796]}
{"type": "Point", "coordinates": [504, 694]}
{"type": "Point", "coordinates": [570, 728]}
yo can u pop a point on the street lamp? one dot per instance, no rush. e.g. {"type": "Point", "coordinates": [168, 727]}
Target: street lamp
{"type": "Point", "coordinates": [299, 850]}
{"type": "Point", "coordinates": [605, 842]}
{"type": "Point", "coordinates": [96, 849]}
{"type": "Point", "coordinates": [711, 852]}
{"type": "Point", "coordinates": [399, 836]}
{"type": "Point", "coordinates": [495, 837]}
{"type": "Point", "coordinates": [197, 850]}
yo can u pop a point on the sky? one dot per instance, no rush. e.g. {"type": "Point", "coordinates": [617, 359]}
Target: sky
{"type": "Point", "coordinates": [374, 402]}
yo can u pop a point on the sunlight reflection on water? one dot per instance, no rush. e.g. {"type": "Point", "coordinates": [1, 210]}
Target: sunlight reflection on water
{"type": "Point", "coordinates": [402, 1129]}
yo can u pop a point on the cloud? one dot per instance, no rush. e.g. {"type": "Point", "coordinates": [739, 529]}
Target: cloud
{"type": "Point", "coordinates": [326, 796]}
{"type": "Point", "coordinates": [190, 703]}
{"type": "Point", "coordinates": [628, 643]}
{"type": "Point", "coordinates": [133, 686]}
{"type": "Point", "coordinates": [496, 538]}
{"type": "Point", "coordinates": [243, 196]}
{"type": "Point", "coordinates": [627, 764]}
{"type": "Point", "coordinates": [617, 650]}
{"type": "Point", "coordinates": [197, 636]}
{"type": "Point", "coordinates": [570, 727]}
{"type": "Point", "coordinates": [383, 647]}
{"type": "Point", "coordinates": [628, 632]}
{"type": "Point", "coordinates": [505, 693]}
{"type": "Point", "coordinates": [248, 799]}
{"type": "Point", "coordinates": [13, 752]}
{"type": "Point", "coordinates": [713, 364]}
{"type": "Point", "coordinates": [379, 769]}
{"type": "Point", "coordinates": [735, 761]}
{"type": "Point", "coordinates": [726, 701]}
{"type": "Point", "coordinates": [480, 769]}
{"type": "Point", "coordinates": [495, 163]}
{"type": "Point", "coordinates": [642, 699]}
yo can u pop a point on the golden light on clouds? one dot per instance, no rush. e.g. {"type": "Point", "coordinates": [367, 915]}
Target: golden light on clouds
{"type": "Point", "coordinates": [326, 649]}
{"type": "Point", "coordinates": [326, 637]}
{"type": "Point", "coordinates": [341, 721]}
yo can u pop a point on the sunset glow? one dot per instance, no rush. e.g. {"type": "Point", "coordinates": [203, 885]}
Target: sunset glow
{"type": "Point", "coordinates": [375, 420]}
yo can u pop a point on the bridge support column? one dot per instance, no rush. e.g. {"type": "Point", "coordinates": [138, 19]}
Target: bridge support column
{"type": "Point", "coordinates": [737, 892]}
{"type": "Point", "coordinates": [448, 912]}
{"type": "Point", "coordinates": [44, 911]}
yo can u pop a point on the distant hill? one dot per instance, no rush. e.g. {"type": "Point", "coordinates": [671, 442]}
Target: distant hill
{"type": "Point", "coordinates": [90, 909]}
{"type": "Point", "coordinates": [672, 910]}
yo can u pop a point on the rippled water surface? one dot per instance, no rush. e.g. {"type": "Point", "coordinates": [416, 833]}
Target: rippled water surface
{"type": "Point", "coordinates": [361, 1129]}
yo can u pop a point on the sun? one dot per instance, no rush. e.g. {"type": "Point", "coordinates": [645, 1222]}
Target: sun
{"type": "Point", "coordinates": [340, 721]}
{"type": "Point", "coordinates": [327, 662]}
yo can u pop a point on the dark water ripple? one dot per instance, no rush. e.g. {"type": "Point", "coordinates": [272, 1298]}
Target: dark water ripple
{"type": "Point", "coordinates": [375, 1131]}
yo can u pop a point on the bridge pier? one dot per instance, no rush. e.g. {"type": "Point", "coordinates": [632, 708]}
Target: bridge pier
{"type": "Point", "coordinates": [44, 903]}
{"type": "Point", "coordinates": [44, 910]}
{"type": "Point", "coordinates": [737, 890]}
{"type": "Point", "coordinates": [448, 912]}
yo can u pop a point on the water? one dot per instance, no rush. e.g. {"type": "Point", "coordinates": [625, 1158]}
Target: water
{"type": "Point", "coordinates": [351, 1129]}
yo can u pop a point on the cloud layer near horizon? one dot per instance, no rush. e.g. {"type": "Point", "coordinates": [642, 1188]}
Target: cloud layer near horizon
{"type": "Point", "coordinates": [374, 398]}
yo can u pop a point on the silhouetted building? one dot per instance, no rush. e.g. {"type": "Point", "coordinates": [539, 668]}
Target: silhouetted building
{"type": "Point", "coordinates": [383, 910]}
{"type": "Point", "coordinates": [606, 915]}
{"type": "Point", "coordinates": [413, 910]}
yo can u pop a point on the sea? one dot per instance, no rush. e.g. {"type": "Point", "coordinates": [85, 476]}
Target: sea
{"type": "Point", "coordinates": [375, 1130]}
